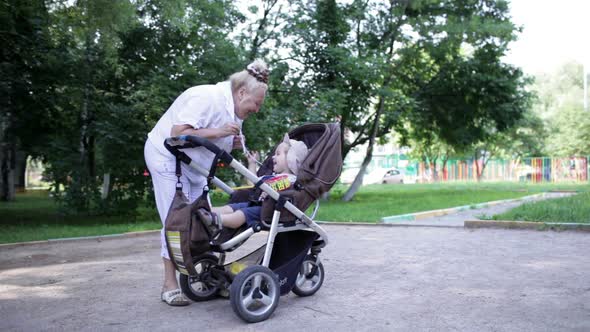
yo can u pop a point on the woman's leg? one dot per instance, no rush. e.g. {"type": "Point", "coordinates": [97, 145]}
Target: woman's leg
{"type": "Point", "coordinates": [164, 181]}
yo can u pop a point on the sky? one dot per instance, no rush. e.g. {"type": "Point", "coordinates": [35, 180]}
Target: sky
{"type": "Point", "coordinates": [554, 31]}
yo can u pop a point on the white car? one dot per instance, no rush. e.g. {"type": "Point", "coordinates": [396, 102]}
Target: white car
{"type": "Point", "coordinates": [377, 176]}
{"type": "Point", "coordinates": [393, 175]}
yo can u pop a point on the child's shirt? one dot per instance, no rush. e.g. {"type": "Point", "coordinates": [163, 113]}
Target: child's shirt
{"type": "Point", "coordinates": [280, 182]}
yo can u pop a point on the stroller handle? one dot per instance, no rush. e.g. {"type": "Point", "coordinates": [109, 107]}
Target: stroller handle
{"type": "Point", "coordinates": [174, 144]}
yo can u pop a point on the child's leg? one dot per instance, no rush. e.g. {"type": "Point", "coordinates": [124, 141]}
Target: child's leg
{"type": "Point", "coordinates": [226, 209]}
{"type": "Point", "coordinates": [233, 219]}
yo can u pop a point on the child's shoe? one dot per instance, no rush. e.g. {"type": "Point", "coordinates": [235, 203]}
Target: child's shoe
{"type": "Point", "coordinates": [211, 221]}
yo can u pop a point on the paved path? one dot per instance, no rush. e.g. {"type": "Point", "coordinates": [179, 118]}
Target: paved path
{"type": "Point", "coordinates": [377, 279]}
{"type": "Point", "coordinates": [456, 219]}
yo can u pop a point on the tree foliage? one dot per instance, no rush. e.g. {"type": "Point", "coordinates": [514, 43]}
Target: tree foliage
{"type": "Point", "coordinates": [560, 105]}
{"type": "Point", "coordinates": [89, 79]}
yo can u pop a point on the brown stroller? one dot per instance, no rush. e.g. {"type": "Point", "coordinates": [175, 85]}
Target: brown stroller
{"type": "Point", "coordinates": [289, 261]}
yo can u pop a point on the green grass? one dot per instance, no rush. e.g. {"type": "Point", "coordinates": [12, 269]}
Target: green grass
{"type": "Point", "coordinates": [34, 215]}
{"type": "Point", "coordinates": [377, 201]}
{"type": "Point", "coordinates": [573, 209]}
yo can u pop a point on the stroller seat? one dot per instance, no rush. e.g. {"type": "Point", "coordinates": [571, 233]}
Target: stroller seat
{"type": "Point", "coordinates": [317, 173]}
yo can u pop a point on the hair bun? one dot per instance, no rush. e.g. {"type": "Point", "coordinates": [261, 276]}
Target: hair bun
{"type": "Point", "coordinates": [259, 70]}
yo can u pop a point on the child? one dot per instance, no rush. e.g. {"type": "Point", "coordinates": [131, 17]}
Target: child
{"type": "Point", "coordinates": [286, 161]}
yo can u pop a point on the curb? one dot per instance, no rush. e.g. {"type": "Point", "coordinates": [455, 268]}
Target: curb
{"type": "Point", "coordinates": [378, 224]}
{"type": "Point", "coordinates": [541, 226]}
{"type": "Point", "coordinates": [82, 238]}
{"type": "Point", "coordinates": [441, 212]}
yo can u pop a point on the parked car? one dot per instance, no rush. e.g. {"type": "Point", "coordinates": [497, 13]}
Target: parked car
{"type": "Point", "coordinates": [349, 174]}
{"type": "Point", "coordinates": [377, 176]}
{"type": "Point", "coordinates": [393, 175]}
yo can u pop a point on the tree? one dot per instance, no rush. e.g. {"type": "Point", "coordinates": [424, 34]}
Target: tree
{"type": "Point", "coordinates": [561, 108]}
{"type": "Point", "coordinates": [437, 88]}
{"type": "Point", "coordinates": [84, 40]}
{"type": "Point", "coordinates": [472, 101]}
{"type": "Point", "coordinates": [25, 88]}
{"type": "Point", "coordinates": [121, 66]}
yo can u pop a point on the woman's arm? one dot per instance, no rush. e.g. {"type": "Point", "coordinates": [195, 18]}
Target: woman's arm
{"type": "Point", "coordinates": [227, 130]}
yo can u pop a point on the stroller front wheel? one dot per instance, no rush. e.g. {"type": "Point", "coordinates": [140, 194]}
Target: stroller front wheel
{"type": "Point", "coordinates": [310, 278]}
{"type": "Point", "coordinates": [203, 286]}
{"type": "Point", "coordinates": [254, 293]}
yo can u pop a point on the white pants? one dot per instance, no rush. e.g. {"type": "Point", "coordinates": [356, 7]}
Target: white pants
{"type": "Point", "coordinates": [163, 172]}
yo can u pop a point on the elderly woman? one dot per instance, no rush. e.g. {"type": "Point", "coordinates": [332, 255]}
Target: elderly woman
{"type": "Point", "coordinates": [214, 112]}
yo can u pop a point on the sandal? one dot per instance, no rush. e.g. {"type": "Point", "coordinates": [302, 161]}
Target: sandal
{"type": "Point", "coordinates": [174, 298]}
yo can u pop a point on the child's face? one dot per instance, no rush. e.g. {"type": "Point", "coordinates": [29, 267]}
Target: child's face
{"type": "Point", "coordinates": [280, 159]}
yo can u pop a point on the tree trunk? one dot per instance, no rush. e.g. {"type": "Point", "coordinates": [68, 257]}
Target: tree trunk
{"type": "Point", "coordinates": [477, 170]}
{"type": "Point", "coordinates": [6, 156]}
{"type": "Point", "coordinates": [20, 171]}
{"type": "Point", "coordinates": [427, 175]}
{"type": "Point", "coordinates": [434, 169]}
{"type": "Point", "coordinates": [444, 167]}
{"type": "Point", "coordinates": [358, 180]}
{"type": "Point", "coordinates": [484, 162]}
{"type": "Point", "coordinates": [91, 156]}
{"type": "Point", "coordinates": [106, 186]}
{"type": "Point", "coordinates": [83, 128]}
{"type": "Point", "coordinates": [7, 165]}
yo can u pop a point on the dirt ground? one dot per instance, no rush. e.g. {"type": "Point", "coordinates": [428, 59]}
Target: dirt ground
{"type": "Point", "coordinates": [377, 278]}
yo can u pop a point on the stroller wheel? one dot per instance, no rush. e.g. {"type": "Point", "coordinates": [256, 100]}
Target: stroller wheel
{"type": "Point", "coordinates": [310, 278]}
{"type": "Point", "coordinates": [203, 286]}
{"type": "Point", "coordinates": [254, 293]}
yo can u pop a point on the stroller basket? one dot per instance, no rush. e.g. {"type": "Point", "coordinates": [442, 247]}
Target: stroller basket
{"type": "Point", "coordinates": [290, 249]}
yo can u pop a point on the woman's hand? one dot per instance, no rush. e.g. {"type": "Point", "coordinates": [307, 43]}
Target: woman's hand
{"type": "Point", "coordinates": [230, 128]}
{"type": "Point", "coordinates": [237, 144]}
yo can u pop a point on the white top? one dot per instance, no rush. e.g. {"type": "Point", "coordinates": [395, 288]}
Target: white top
{"type": "Point", "coordinates": [203, 106]}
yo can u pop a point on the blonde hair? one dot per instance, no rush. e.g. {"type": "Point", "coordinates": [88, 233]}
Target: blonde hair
{"type": "Point", "coordinates": [253, 77]}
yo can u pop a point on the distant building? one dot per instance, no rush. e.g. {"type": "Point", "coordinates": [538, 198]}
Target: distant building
{"type": "Point", "coordinates": [384, 156]}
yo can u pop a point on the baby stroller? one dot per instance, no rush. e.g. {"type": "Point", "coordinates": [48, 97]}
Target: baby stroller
{"type": "Point", "coordinates": [289, 260]}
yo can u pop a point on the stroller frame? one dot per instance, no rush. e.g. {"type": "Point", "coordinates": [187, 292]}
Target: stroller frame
{"type": "Point", "coordinates": [263, 276]}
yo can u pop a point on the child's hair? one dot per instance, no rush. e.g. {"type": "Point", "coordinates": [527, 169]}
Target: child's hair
{"type": "Point", "coordinates": [296, 153]}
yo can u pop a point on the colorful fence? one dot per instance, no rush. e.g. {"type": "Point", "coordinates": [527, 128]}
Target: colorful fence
{"type": "Point", "coordinates": [536, 170]}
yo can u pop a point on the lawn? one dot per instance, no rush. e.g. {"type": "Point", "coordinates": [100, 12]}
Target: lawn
{"type": "Point", "coordinates": [376, 201]}
{"type": "Point", "coordinates": [34, 215]}
{"type": "Point", "coordinates": [573, 209]}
